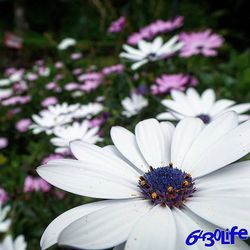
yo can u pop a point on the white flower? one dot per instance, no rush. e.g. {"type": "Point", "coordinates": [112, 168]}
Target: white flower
{"type": "Point", "coordinates": [44, 71]}
{"type": "Point", "coordinates": [88, 110]}
{"type": "Point", "coordinates": [160, 185]}
{"type": "Point", "coordinates": [203, 106]}
{"type": "Point", "coordinates": [55, 116]}
{"type": "Point", "coordinates": [134, 104]}
{"type": "Point", "coordinates": [5, 82]}
{"type": "Point", "coordinates": [77, 93]}
{"type": "Point", "coordinates": [76, 131]}
{"type": "Point", "coordinates": [62, 114]}
{"type": "Point", "coordinates": [4, 223]}
{"type": "Point", "coordinates": [16, 76]}
{"type": "Point", "coordinates": [18, 244]}
{"type": "Point", "coordinates": [66, 43]}
{"type": "Point", "coordinates": [5, 93]}
{"type": "Point", "coordinates": [150, 51]}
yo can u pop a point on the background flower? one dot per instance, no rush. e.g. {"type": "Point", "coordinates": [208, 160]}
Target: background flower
{"type": "Point", "coordinates": [204, 42]}
{"type": "Point", "coordinates": [203, 106]}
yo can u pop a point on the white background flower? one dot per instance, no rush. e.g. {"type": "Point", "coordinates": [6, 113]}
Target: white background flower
{"type": "Point", "coordinates": [5, 82]}
{"type": "Point", "coordinates": [18, 244]}
{"type": "Point", "coordinates": [88, 110]}
{"type": "Point", "coordinates": [54, 116]}
{"type": "Point", "coordinates": [76, 131]}
{"type": "Point", "coordinates": [114, 173]}
{"type": "Point", "coordinates": [150, 51]}
{"type": "Point", "coordinates": [4, 223]}
{"type": "Point", "coordinates": [61, 114]}
{"type": "Point", "coordinates": [66, 43]}
{"type": "Point", "coordinates": [204, 106]}
{"type": "Point", "coordinates": [5, 93]}
{"type": "Point", "coordinates": [134, 104]}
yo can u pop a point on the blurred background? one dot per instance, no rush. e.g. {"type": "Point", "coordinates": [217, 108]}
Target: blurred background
{"type": "Point", "coordinates": [30, 31]}
{"type": "Point", "coordinates": [42, 23]}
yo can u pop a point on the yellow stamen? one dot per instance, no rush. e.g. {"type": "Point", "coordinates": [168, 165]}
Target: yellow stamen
{"type": "Point", "coordinates": [143, 183]}
{"type": "Point", "coordinates": [170, 189]}
{"type": "Point", "coordinates": [185, 183]}
{"type": "Point", "coordinates": [154, 195]}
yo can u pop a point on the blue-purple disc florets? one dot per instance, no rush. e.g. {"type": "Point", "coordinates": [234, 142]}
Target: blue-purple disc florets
{"type": "Point", "coordinates": [167, 186]}
{"type": "Point", "coordinates": [205, 118]}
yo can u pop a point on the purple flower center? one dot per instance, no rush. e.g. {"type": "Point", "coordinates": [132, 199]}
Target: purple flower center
{"type": "Point", "coordinates": [205, 118]}
{"type": "Point", "coordinates": [167, 186]}
{"type": "Point", "coordinates": [152, 57]}
{"type": "Point", "coordinates": [200, 47]}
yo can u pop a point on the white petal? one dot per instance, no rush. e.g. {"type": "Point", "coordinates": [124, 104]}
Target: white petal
{"type": "Point", "coordinates": [104, 228]}
{"type": "Point", "coordinates": [183, 99]}
{"type": "Point", "coordinates": [92, 154]}
{"type": "Point", "coordinates": [132, 50]}
{"type": "Point", "coordinates": [89, 180]}
{"type": "Point", "coordinates": [150, 140]}
{"type": "Point", "coordinates": [125, 142]}
{"type": "Point", "coordinates": [185, 225]}
{"type": "Point", "coordinates": [144, 46]}
{"type": "Point", "coordinates": [231, 181]}
{"type": "Point", "coordinates": [224, 212]}
{"type": "Point", "coordinates": [195, 100]}
{"type": "Point", "coordinates": [7, 243]}
{"type": "Point", "coordinates": [243, 118]}
{"type": "Point", "coordinates": [132, 57]}
{"type": "Point", "coordinates": [167, 131]}
{"type": "Point", "coordinates": [240, 108]}
{"type": "Point", "coordinates": [229, 148]}
{"type": "Point", "coordinates": [138, 64]}
{"type": "Point", "coordinates": [157, 43]}
{"type": "Point", "coordinates": [179, 107]}
{"type": "Point", "coordinates": [207, 99]}
{"type": "Point", "coordinates": [112, 149]}
{"type": "Point", "coordinates": [166, 116]}
{"type": "Point", "coordinates": [169, 46]}
{"type": "Point", "coordinates": [54, 229]}
{"type": "Point", "coordinates": [155, 230]}
{"type": "Point", "coordinates": [220, 106]}
{"type": "Point", "coordinates": [185, 134]}
{"type": "Point", "coordinates": [20, 243]}
{"type": "Point", "coordinates": [207, 138]}
{"type": "Point", "coordinates": [174, 116]}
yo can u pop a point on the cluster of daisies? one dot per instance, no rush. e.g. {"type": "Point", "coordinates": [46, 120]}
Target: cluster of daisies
{"type": "Point", "coordinates": [69, 122]}
{"type": "Point", "coordinates": [170, 176]}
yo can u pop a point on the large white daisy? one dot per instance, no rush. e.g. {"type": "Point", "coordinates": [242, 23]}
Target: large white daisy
{"type": "Point", "coordinates": [160, 184]}
{"type": "Point", "coordinates": [10, 244]}
{"type": "Point", "coordinates": [204, 106]}
{"type": "Point", "coordinates": [150, 51]}
{"type": "Point", "coordinates": [81, 131]}
{"type": "Point", "coordinates": [134, 104]}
